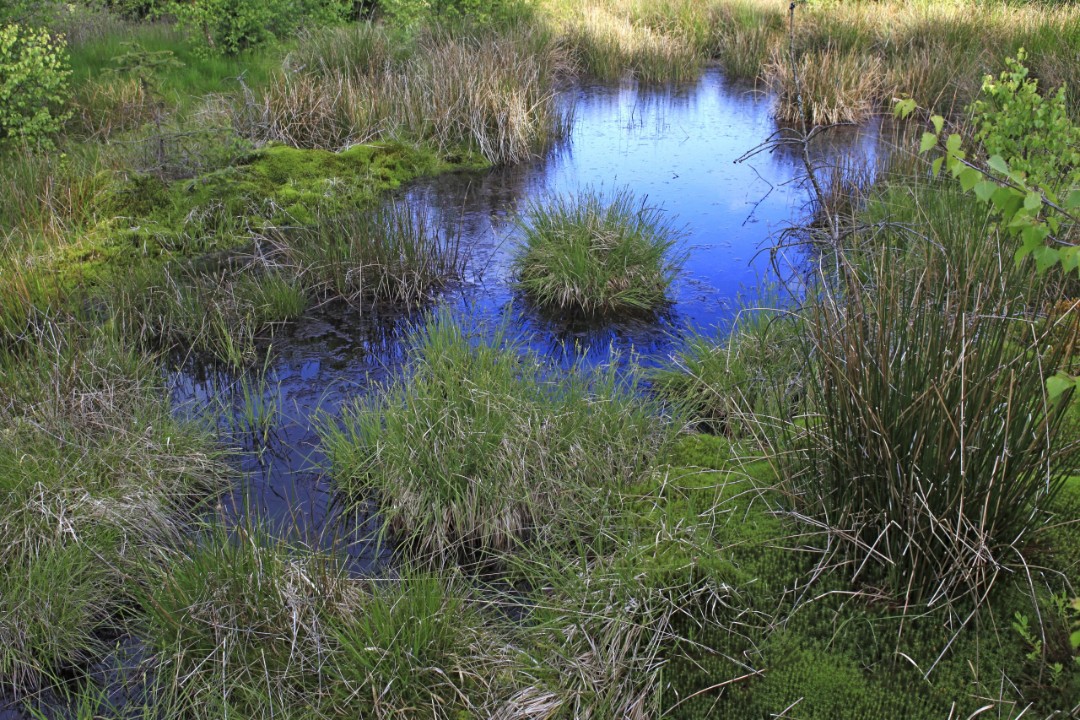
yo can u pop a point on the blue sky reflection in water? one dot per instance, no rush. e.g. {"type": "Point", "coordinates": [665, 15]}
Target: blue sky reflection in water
{"type": "Point", "coordinates": [676, 147]}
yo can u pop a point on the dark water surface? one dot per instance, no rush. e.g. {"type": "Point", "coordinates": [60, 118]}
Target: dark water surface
{"type": "Point", "coordinates": [676, 147]}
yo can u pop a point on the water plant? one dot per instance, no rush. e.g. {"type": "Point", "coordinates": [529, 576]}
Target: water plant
{"type": "Point", "coordinates": [481, 443]}
{"type": "Point", "coordinates": [596, 254]}
{"type": "Point", "coordinates": [389, 254]}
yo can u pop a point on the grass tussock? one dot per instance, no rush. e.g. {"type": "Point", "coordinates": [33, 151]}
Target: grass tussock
{"type": "Point", "coordinates": [96, 479]}
{"type": "Point", "coordinates": [930, 444]}
{"type": "Point", "coordinates": [481, 445]}
{"type": "Point", "coordinates": [596, 254]}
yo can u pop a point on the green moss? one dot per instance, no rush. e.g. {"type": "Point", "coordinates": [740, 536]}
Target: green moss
{"type": "Point", "coordinates": [278, 185]}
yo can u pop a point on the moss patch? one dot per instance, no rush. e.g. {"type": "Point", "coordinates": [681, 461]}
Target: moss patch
{"type": "Point", "coordinates": [278, 185]}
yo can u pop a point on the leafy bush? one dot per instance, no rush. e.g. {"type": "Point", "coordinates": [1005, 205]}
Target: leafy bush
{"type": "Point", "coordinates": [232, 26]}
{"type": "Point", "coordinates": [1021, 125]}
{"type": "Point", "coordinates": [34, 74]}
{"type": "Point", "coordinates": [480, 12]}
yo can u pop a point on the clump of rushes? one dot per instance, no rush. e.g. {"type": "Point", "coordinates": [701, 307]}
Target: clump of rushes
{"type": "Point", "coordinates": [390, 254]}
{"type": "Point", "coordinates": [930, 445]}
{"type": "Point", "coordinates": [727, 385]}
{"type": "Point", "coordinates": [95, 478]}
{"type": "Point", "coordinates": [242, 624]}
{"type": "Point", "coordinates": [594, 254]}
{"type": "Point", "coordinates": [480, 445]}
{"type": "Point", "coordinates": [223, 313]}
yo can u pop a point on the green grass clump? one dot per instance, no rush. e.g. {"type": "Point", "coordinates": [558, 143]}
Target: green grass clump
{"type": "Point", "coordinates": [594, 254]}
{"type": "Point", "coordinates": [726, 386]}
{"type": "Point", "coordinates": [390, 254]}
{"type": "Point", "coordinates": [96, 478]}
{"type": "Point", "coordinates": [929, 436]}
{"type": "Point", "coordinates": [482, 445]}
{"type": "Point", "coordinates": [245, 625]}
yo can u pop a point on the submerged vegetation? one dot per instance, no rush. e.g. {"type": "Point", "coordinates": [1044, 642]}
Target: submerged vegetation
{"type": "Point", "coordinates": [859, 503]}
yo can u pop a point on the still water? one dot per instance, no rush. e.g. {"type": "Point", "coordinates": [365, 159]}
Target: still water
{"type": "Point", "coordinates": [676, 148]}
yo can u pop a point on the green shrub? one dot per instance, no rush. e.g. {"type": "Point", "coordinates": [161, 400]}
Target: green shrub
{"type": "Point", "coordinates": [595, 254]}
{"type": "Point", "coordinates": [479, 12]}
{"type": "Point", "coordinates": [232, 26]}
{"type": "Point", "coordinates": [34, 72]}
{"type": "Point", "coordinates": [1018, 123]}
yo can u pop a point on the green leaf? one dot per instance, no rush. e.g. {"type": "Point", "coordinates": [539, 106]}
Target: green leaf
{"type": "Point", "coordinates": [998, 164]}
{"type": "Point", "coordinates": [1033, 201]}
{"type": "Point", "coordinates": [985, 190]}
{"type": "Point", "coordinates": [1069, 259]}
{"type": "Point", "coordinates": [939, 123]}
{"type": "Point", "coordinates": [1073, 201]}
{"type": "Point", "coordinates": [935, 166]}
{"type": "Point", "coordinates": [904, 107]}
{"type": "Point", "coordinates": [953, 144]}
{"type": "Point", "coordinates": [929, 140]}
{"type": "Point", "coordinates": [1074, 639]}
{"type": "Point", "coordinates": [1045, 257]}
{"type": "Point", "coordinates": [1056, 386]}
{"type": "Point", "coordinates": [968, 177]}
{"type": "Point", "coordinates": [1008, 201]}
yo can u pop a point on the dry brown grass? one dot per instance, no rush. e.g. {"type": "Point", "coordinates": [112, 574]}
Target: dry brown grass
{"type": "Point", "coordinates": [936, 52]}
{"type": "Point", "coordinates": [495, 95]}
{"type": "Point", "coordinates": [837, 86]}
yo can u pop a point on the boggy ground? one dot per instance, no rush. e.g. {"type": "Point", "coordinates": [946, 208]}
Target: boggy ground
{"type": "Point", "coordinates": [681, 574]}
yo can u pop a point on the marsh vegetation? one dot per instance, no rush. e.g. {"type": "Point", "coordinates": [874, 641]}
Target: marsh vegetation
{"type": "Point", "coordinates": [850, 494]}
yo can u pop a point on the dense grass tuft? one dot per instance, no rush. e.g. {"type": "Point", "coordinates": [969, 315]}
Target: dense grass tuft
{"type": "Point", "coordinates": [96, 479]}
{"type": "Point", "coordinates": [930, 445]}
{"type": "Point", "coordinates": [595, 254]}
{"type": "Point", "coordinates": [482, 444]}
